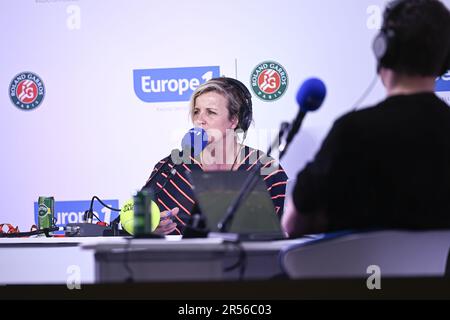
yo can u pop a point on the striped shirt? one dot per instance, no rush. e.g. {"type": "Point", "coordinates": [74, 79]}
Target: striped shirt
{"type": "Point", "coordinates": [173, 189]}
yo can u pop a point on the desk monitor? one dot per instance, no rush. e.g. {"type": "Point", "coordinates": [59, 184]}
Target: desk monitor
{"type": "Point", "coordinates": [254, 219]}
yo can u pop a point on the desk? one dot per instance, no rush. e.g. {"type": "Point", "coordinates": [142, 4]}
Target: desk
{"type": "Point", "coordinates": [45, 260]}
{"type": "Point", "coordinates": [211, 259]}
{"type": "Point", "coordinates": [110, 259]}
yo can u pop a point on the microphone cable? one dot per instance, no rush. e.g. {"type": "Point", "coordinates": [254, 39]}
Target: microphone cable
{"type": "Point", "coordinates": [241, 262]}
{"type": "Point", "coordinates": [89, 214]}
{"type": "Point", "coordinates": [129, 278]}
{"type": "Point", "coordinates": [170, 174]}
{"type": "Point", "coordinates": [152, 176]}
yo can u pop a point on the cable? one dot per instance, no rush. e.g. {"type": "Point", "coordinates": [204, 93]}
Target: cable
{"type": "Point", "coordinates": [126, 262]}
{"type": "Point", "coordinates": [170, 174]}
{"type": "Point", "coordinates": [104, 204]}
{"type": "Point", "coordinates": [241, 263]}
{"type": "Point", "coordinates": [96, 216]}
{"type": "Point", "coordinates": [46, 231]}
{"type": "Point", "coordinates": [89, 214]}
{"type": "Point", "coordinates": [159, 170]}
{"type": "Point", "coordinates": [365, 93]}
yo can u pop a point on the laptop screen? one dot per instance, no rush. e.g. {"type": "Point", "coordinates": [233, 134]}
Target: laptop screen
{"type": "Point", "coordinates": [216, 190]}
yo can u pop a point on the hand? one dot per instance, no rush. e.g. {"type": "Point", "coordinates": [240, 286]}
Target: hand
{"type": "Point", "coordinates": [166, 224]}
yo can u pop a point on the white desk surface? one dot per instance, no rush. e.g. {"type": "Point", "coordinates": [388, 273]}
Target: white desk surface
{"type": "Point", "coordinates": [49, 260]}
{"type": "Point", "coordinates": [106, 243]}
{"type": "Point", "coordinates": [52, 240]}
{"type": "Point", "coordinates": [186, 244]}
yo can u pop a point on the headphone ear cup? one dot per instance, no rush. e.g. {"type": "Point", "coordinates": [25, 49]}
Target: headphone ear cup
{"type": "Point", "coordinates": [245, 114]}
{"type": "Point", "coordinates": [379, 46]}
{"type": "Point", "coordinates": [383, 47]}
{"type": "Point", "coordinates": [242, 124]}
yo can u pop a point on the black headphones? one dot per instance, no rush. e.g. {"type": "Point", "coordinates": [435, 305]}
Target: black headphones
{"type": "Point", "coordinates": [245, 111]}
{"type": "Point", "coordinates": [385, 43]}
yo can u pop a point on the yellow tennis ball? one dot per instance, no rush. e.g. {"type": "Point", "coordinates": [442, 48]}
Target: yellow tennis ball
{"type": "Point", "coordinates": [127, 216]}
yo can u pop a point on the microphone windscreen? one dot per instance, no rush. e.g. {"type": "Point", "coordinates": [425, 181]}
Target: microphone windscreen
{"type": "Point", "coordinates": [127, 216]}
{"type": "Point", "coordinates": [311, 94]}
{"type": "Point", "coordinates": [196, 140]}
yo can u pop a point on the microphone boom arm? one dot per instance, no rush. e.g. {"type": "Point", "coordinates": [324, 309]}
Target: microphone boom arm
{"type": "Point", "coordinates": [249, 184]}
{"type": "Point", "coordinates": [292, 132]}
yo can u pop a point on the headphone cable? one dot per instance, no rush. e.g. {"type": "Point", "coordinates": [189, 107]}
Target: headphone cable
{"type": "Point", "coordinates": [365, 93]}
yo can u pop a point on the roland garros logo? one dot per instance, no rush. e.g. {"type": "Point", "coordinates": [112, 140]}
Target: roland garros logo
{"type": "Point", "coordinates": [26, 91]}
{"type": "Point", "coordinates": [269, 80]}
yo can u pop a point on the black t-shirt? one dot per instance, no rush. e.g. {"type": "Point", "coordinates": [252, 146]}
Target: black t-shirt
{"type": "Point", "coordinates": [387, 166]}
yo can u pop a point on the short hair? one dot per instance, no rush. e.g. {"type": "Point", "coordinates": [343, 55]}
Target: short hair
{"type": "Point", "coordinates": [238, 104]}
{"type": "Point", "coordinates": [421, 35]}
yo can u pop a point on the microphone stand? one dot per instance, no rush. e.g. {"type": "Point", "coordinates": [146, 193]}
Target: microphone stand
{"type": "Point", "coordinates": [250, 183]}
{"type": "Point", "coordinates": [292, 132]}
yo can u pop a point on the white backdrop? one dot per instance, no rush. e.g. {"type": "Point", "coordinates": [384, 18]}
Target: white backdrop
{"type": "Point", "coordinates": [92, 135]}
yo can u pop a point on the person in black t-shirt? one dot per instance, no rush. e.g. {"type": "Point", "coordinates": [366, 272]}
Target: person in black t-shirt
{"type": "Point", "coordinates": [387, 166]}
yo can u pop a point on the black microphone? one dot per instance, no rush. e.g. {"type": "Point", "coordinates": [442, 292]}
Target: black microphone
{"type": "Point", "coordinates": [310, 96]}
